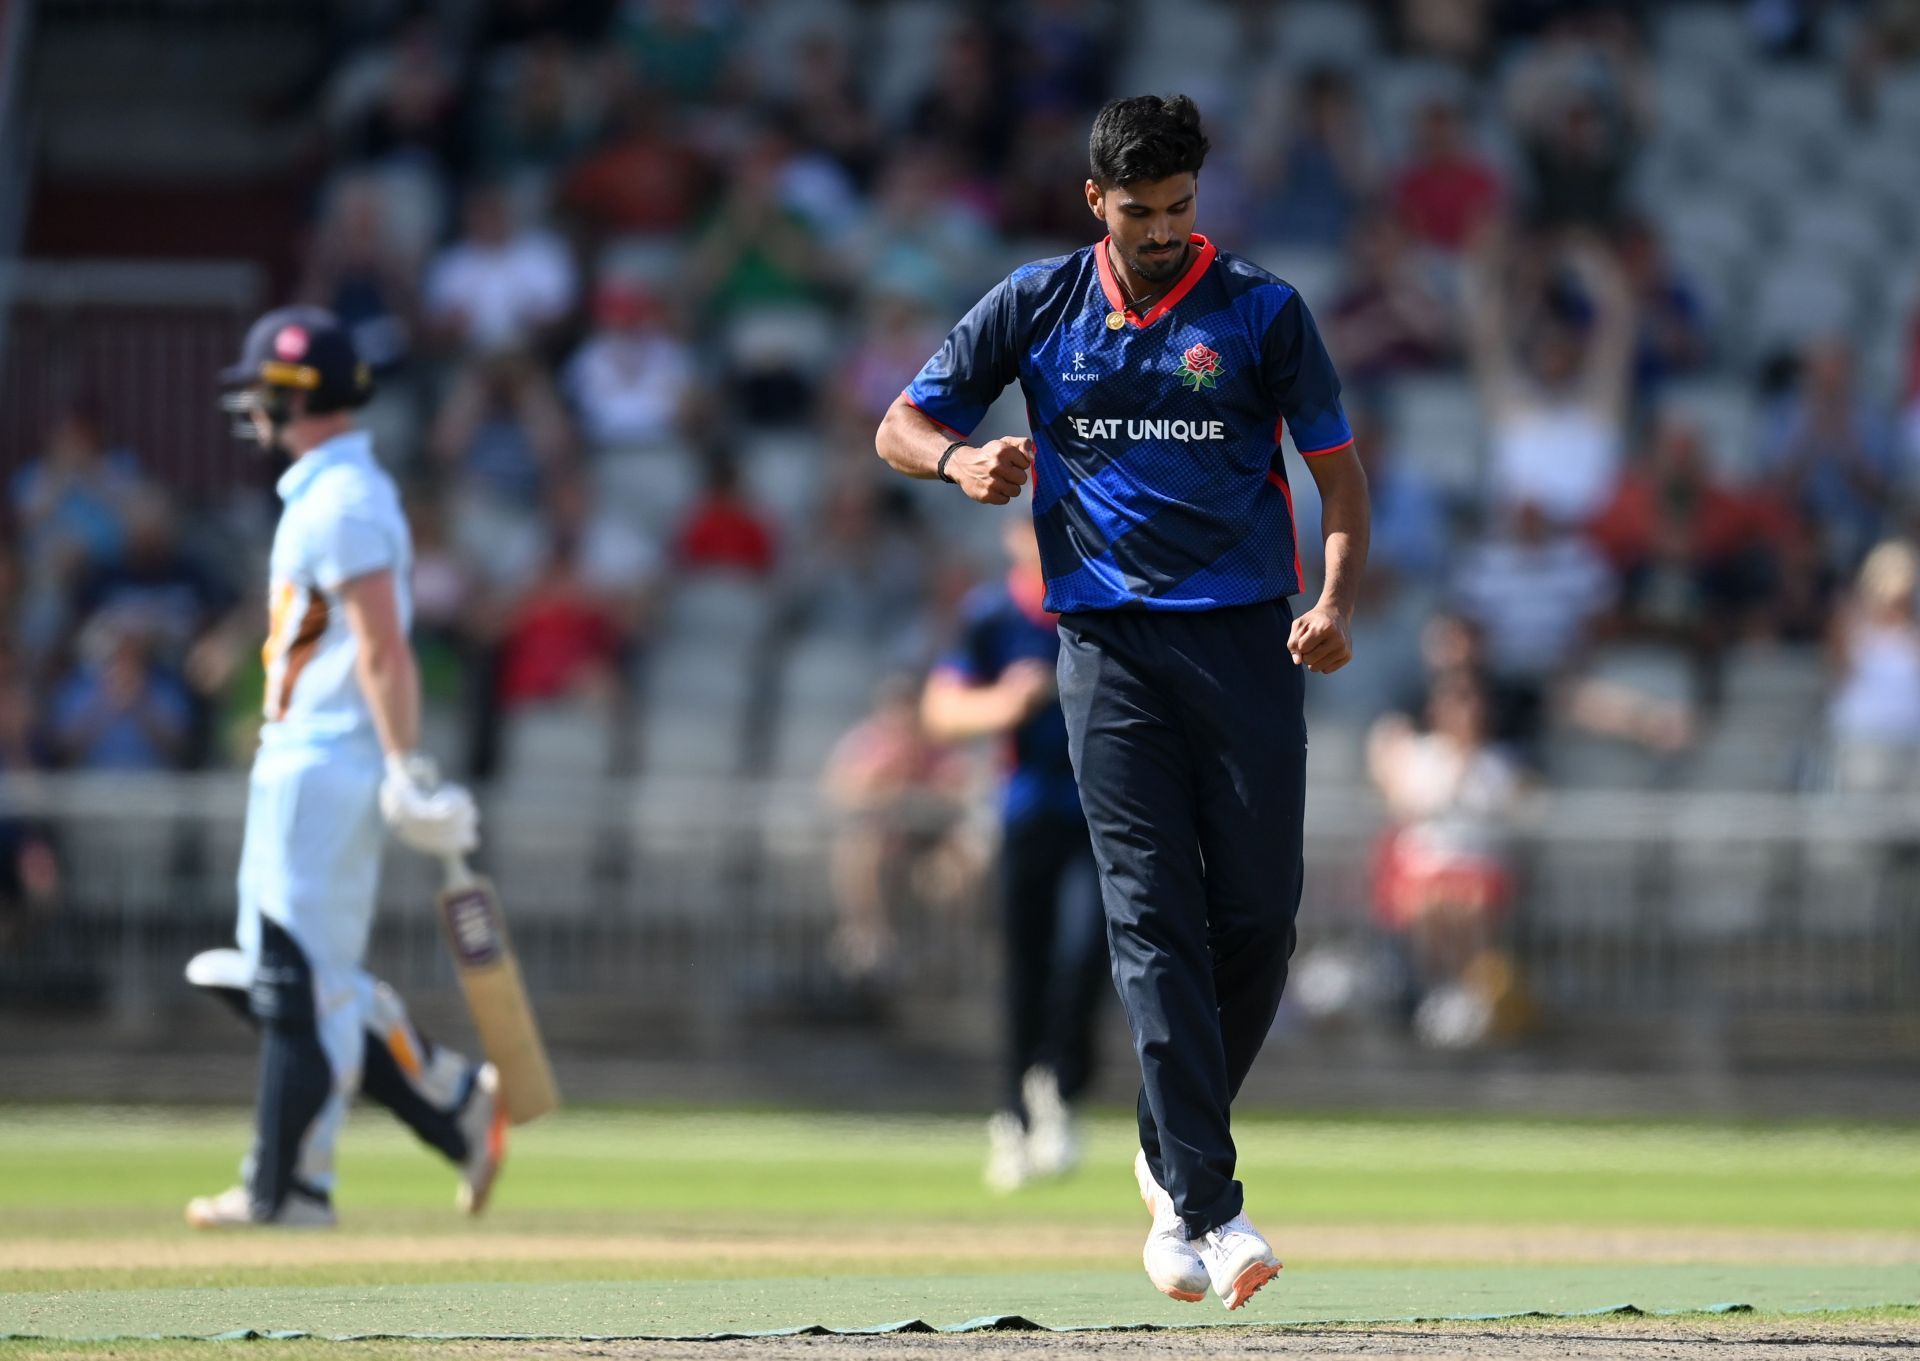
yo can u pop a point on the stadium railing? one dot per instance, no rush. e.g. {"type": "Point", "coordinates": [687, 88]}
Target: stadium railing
{"type": "Point", "coordinates": [708, 906]}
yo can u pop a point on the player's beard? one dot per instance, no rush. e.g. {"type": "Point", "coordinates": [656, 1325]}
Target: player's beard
{"type": "Point", "coordinates": [1159, 269]}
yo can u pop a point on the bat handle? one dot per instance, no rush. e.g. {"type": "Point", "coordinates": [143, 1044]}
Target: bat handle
{"type": "Point", "coordinates": [458, 874]}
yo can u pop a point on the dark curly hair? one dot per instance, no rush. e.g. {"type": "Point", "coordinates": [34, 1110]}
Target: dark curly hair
{"type": "Point", "coordinates": [1147, 137]}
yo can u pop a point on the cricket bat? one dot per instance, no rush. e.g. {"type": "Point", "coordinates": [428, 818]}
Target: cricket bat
{"type": "Point", "coordinates": [496, 995]}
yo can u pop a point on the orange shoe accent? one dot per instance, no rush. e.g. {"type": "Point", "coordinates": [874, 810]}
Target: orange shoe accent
{"type": "Point", "coordinates": [404, 1053]}
{"type": "Point", "coordinates": [1185, 1297]}
{"type": "Point", "coordinates": [1251, 1280]}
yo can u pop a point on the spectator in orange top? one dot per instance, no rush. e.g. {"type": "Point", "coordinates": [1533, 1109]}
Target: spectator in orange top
{"type": "Point", "coordinates": [1677, 536]}
{"type": "Point", "coordinates": [1698, 561]}
{"type": "Point", "coordinates": [1445, 193]}
{"type": "Point", "coordinates": [723, 531]}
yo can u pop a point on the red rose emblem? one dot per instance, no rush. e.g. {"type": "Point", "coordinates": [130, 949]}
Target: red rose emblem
{"type": "Point", "coordinates": [291, 342]}
{"type": "Point", "coordinates": [1200, 359]}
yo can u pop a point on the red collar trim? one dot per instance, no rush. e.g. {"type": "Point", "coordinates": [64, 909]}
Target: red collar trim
{"type": "Point", "coordinates": [1117, 300]}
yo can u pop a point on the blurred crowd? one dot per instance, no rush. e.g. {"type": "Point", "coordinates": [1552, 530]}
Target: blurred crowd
{"type": "Point", "coordinates": [639, 278]}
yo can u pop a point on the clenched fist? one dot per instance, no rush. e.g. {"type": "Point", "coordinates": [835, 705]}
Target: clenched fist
{"type": "Point", "coordinates": [993, 473]}
{"type": "Point", "coordinates": [1320, 641]}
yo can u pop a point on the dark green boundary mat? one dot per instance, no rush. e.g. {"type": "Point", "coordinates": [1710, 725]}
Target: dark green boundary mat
{"type": "Point", "coordinates": [1064, 1301]}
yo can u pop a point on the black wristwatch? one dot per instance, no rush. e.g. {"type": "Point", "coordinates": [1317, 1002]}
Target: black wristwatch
{"type": "Point", "coordinates": [940, 468]}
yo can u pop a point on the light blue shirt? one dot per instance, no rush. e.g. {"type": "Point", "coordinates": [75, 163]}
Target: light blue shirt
{"type": "Point", "coordinates": [342, 519]}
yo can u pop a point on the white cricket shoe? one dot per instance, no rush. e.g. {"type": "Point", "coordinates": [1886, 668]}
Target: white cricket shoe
{"type": "Point", "coordinates": [1172, 1264]}
{"type": "Point", "coordinates": [484, 1122]}
{"type": "Point", "coordinates": [1053, 1144]}
{"type": "Point", "coordinates": [1007, 1168]}
{"type": "Point", "coordinates": [1238, 1260]}
{"type": "Point", "coordinates": [233, 1209]}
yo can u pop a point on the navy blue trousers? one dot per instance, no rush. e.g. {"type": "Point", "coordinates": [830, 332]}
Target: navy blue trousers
{"type": "Point", "coordinates": [1190, 744]}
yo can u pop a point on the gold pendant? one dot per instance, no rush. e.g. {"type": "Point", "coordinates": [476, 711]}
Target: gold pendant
{"type": "Point", "coordinates": [1115, 320]}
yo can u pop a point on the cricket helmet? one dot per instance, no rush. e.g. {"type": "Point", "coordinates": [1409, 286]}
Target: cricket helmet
{"type": "Point", "coordinates": [292, 350]}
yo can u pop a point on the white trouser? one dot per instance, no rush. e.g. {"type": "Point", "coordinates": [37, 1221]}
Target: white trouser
{"type": "Point", "coordinates": [310, 863]}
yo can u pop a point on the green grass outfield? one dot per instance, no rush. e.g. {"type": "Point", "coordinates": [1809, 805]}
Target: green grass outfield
{"type": "Point", "coordinates": [677, 1224]}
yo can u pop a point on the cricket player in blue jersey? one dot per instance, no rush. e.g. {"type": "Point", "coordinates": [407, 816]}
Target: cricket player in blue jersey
{"type": "Point", "coordinates": [1160, 373]}
{"type": "Point", "coordinates": [337, 759]}
{"type": "Point", "coordinates": [998, 681]}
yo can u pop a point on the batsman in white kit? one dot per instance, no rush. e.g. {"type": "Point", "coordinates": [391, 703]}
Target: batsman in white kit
{"type": "Point", "coordinates": [336, 769]}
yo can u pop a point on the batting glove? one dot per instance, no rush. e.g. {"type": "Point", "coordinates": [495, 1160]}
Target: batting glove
{"type": "Point", "coordinates": [435, 818]}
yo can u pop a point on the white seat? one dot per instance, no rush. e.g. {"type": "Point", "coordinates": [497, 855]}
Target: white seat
{"type": "Point", "coordinates": [1174, 47]}
{"type": "Point", "coordinates": [783, 472]}
{"type": "Point", "coordinates": [1776, 679]}
{"type": "Point", "coordinates": [913, 35]}
{"type": "Point", "coordinates": [703, 675]}
{"type": "Point", "coordinates": [1797, 107]}
{"type": "Point", "coordinates": [1719, 223]}
{"type": "Point", "coordinates": [1324, 32]}
{"type": "Point", "coordinates": [1800, 298]}
{"type": "Point", "coordinates": [542, 866]}
{"type": "Point", "coordinates": [1578, 760]}
{"type": "Point", "coordinates": [676, 739]}
{"type": "Point", "coordinates": [1437, 425]}
{"type": "Point", "coordinates": [1314, 273]}
{"type": "Point", "coordinates": [654, 484]}
{"type": "Point", "coordinates": [1882, 352]}
{"type": "Point", "coordinates": [1689, 103]}
{"type": "Point", "coordinates": [699, 674]}
{"type": "Point", "coordinates": [826, 687]}
{"type": "Point", "coordinates": [1760, 170]}
{"type": "Point", "coordinates": [795, 337]}
{"type": "Point", "coordinates": [1839, 226]}
{"type": "Point", "coordinates": [726, 607]}
{"type": "Point", "coordinates": [1742, 757]}
{"type": "Point", "coordinates": [1669, 169]}
{"type": "Point", "coordinates": [1713, 36]}
{"type": "Point", "coordinates": [1885, 165]}
{"type": "Point", "coordinates": [556, 741]}
{"type": "Point", "coordinates": [1897, 105]}
{"type": "Point", "coordinates": [826, 672]}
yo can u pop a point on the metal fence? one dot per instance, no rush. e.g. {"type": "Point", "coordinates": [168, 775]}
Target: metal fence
{"type": "Point", "coordinates": [656, 911]}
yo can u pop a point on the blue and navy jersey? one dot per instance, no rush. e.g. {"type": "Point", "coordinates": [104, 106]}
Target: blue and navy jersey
{"type": "Point", "coordinates": [997, 630]}
{"type": "Point", "coordinates": [1158, 481]}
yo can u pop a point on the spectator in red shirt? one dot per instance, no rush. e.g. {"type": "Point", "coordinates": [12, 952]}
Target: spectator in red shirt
{"type": "Point", "coordinates": [1444, 193]}
{"type": "Point", "coordinates": [561, 641]}
{"type": "Point", "coordinates": [641, 180]}
{"type": "Point", "coordinates": [1698, 561]}
{"type": "Point", "coordinates": [724, 531]}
